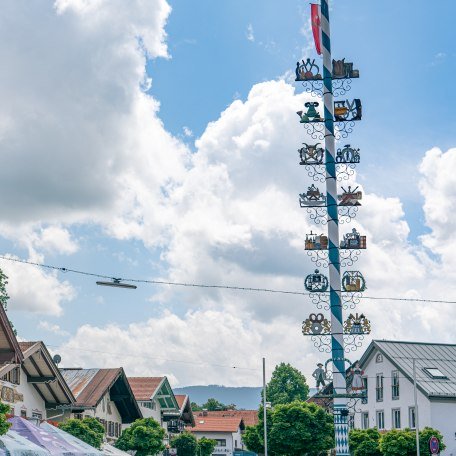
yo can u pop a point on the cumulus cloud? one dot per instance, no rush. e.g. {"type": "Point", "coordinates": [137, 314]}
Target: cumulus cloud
{"type": "Point", "coordinates": [53, 328]}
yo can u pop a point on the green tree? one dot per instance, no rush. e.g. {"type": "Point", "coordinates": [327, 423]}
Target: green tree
{"type": "Point", "coordinates": [286, 385]}
{"type": "Point", "coordinates": [425, 434]}
{"type": "Point", "coordinates": [365, 442]}
{"type": "Point", "coordinates": [4, 424]}
{"type": "Point", "coordinates": [145, 436]}
{"type": "Point", "coordinates": [4, 297]}
{"type": "Point", "coordinates": [185, 444]}
{"type": "Point", "coordinates": [89, 430]}
{"type": "Point", "coordinates": [213, 404]}
{"type": "Point", "coordinates": [205, 446]}
{"type": "Point", "coordinates": [253, 439]}
{"type": "Point", "coordinates": [398, 443]}
{"type": "Point", "coordinates": [196, 407]}
{"type": "Point", "coordinates": [294, 429]}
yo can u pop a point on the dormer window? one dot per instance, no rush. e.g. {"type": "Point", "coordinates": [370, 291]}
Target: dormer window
{"type": "Point", "coordinates": [379, 358]}
{"type": "Point", "coordinates": [435, 373]}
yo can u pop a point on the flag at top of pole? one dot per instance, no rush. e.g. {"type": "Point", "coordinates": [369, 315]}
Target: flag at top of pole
{"type": "Point", "coordinates": [316, 25]}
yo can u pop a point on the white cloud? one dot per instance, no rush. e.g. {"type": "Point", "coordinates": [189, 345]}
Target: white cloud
{"type": "Point", "coordinates": [35, 290]}
{"type": "Point", "coordinates": [250, 35]}
{"type": "Point", "coordinates": [53, 328]}
{"type": "Point", "coordinates": [188, 132]}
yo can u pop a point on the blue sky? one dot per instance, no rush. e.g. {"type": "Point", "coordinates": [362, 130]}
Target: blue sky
{"type": "Point", "coordinates": [217, 51]}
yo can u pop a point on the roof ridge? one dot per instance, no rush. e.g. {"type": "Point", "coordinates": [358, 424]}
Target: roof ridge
{"type": "Point", "coordinates": [412, 342]}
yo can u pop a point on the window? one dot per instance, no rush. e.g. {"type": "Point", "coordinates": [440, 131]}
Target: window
{"type": "Point", "coordinates": [396, 418]}
{"type": "Point", "coordinates": [110, 429]}
{"type": "Point", "coordinates": [221, 442]}
{"type": "Point", "coordinates": [13, 376]}
{"type": "Point", "coordinates": [351, 422]}
{"type": "Point", "coordinates": [412, 419]}
{"type": "Point", "coordinates": [380, 419]}
{"type": "Point", "coordinates": [379, 358]}
{"type": "Point", "coordinates": [434, 372]}
{"type": "Point", "coordinates": [37, 415]}
{"type": "Point", "coordinates": [23, 413]}
{"type": "Point", "coordinates": [364, 399]}
{"type": "Point", "coordinates": [365, 420]}
{"type": "Point", "coordinates": [379, 388]}
{"type": "Point", "coordinates": [395, 385]}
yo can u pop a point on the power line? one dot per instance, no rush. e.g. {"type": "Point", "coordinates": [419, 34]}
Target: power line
{"type": "Point", "coordinates": [202, 285]}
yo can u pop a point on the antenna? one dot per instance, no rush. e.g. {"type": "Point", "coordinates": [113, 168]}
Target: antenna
{"type": "Point", "coordinates": [57, 359]}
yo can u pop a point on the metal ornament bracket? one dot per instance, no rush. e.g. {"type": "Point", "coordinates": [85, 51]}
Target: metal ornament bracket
{"type": "Point", "coordinates": [318, 215]}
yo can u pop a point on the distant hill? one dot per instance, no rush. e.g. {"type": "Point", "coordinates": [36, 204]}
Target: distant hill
{"type": "Point", "coordinates": [245, 397]}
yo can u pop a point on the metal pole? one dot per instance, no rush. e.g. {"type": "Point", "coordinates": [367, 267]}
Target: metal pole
{"type": "Point", "coordinates": [337, 338]}
{"type": "Point", "coordinates": [417, 426]}
{"type": "Point", "coordinates": [264, 410]}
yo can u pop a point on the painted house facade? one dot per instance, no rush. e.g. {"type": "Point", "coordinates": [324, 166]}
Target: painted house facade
{"type": "Point", "coordinates": [388, 374]}
{"type": "Point", "coordinates": [226, 431]}
{"type": "Point", "coordinates": [104, 394]}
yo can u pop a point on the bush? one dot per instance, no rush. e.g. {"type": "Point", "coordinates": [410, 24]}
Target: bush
{"type": "Point", "coordinates": [365, 442]}
{"type": "Point", "coordinates": [89, 430]}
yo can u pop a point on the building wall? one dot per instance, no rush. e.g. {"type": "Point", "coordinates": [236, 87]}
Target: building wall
{"type": "Point", "coordinates": [228, 436]}
{"type": "Point", "coordinates": [26, 401]}
{"type": "Point", "coordinates": [443, 418]}
{"type": "Point", "coordinates": [405, 401]}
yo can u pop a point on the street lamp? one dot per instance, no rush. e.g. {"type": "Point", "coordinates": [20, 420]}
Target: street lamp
{"type": "Point", "coordinates": [116, 283]}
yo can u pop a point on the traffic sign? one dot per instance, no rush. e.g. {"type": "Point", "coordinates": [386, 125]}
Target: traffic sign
{"type": "Point", "coordinates": [434, 445]}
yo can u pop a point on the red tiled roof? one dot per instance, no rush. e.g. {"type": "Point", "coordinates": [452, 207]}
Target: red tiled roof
{"type": "Point", "coordinates": [250, 417]}
{"type": "Point", "coordinates": [180, 398]}
{"type": "Point", "coordinates": [24, 346]}
{"type": "Point", "coordinates": [216, 424]}
{"type": "Point", "coordinates": [144, 387]}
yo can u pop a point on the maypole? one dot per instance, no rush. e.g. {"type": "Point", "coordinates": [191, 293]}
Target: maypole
{"type": "Point", "coordinates": [331, 166]}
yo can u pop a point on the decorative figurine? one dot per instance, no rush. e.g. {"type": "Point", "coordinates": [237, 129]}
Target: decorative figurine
{"type": "Point", "coordinates": [307, 71]}
{"type": "Point", "coordinates": [353, 281]}
{"type": "Point", "coordinates": [357, 373]}
{"type": "Point", "coordinates": [357, 324]}
{"type": "Point", "coordinates": [313, 197]}
{"type": "Point", "coordinates": [350, 197]}
{"type": "Point", "coordinates": [319, 375]}
{"type": "Point", "coordinates": [344, 110]}
{"type": "Point", "coordinates": [316, 282]}
{"type": "Point", "coordinates": [312, 114]}
{"type": "Point", "coordinates": [311, 155]}
{"type": "Point", "coordinates": [342, 70]}
{"type": "Point", "coordinates": [315, 242]}
{"type": "Point", "coordinates": [347, 155]}
{"type": "Point", "coordinates": [353, 240]}
{"type": "Point", "coordinates": [316, 324]}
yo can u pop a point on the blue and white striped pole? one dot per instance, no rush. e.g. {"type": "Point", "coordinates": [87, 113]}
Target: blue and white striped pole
{"type": "Point", "coordinates": [337, 338]}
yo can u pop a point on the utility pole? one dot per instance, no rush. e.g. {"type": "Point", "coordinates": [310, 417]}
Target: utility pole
{"type": "Point", "coordinates": [415, 394]}
{"type": "Point", "coordinates": [265, 415]}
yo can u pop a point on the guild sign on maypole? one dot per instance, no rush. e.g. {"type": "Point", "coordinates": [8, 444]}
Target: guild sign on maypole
{"type": "Point", "coordinates": [327, 119]}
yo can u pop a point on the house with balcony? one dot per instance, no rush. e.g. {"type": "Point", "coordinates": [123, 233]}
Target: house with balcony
{"type": "Point", "coordinates": [104, 394]}
{"type": "Point", "coordinates": [225, 430]}
{"type": "Point", "coordinates": [30, 382]}
{"type": "Point", "coordinates": [388, 376]}
{"type": "Point", "coordinates": [176, 421]}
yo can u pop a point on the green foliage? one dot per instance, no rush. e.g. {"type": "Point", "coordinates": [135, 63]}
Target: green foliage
{"type": "Point", "coordinates": [253, 439]}
{"type": "Point", "coordinates": [206, 446]}
{"type": "Point", "coordinates": [145, 436]}
{"type": "Point", "coordinates": [398, 443]}
{"type": "Point", "coordinates": [425, 434]}
{"type": "Point", "coordinates": [294, 429]}
{"type": "Point", "coordinates": [365, 442]}
{"type": "Point", "coordinates": [4, 297]}
{"type": "Point", "coordinates": [4, 424]}
{"type": "Point", "coordinates": [213, 404]}
{"type": "Point", "coordinates": [185, 444]}
{"type": "Point", "coordinates": [196, 407]}
{"type": "Point", "coordinates": [88, 430]}
{"type": "Point", "coordinates": [287, 385]}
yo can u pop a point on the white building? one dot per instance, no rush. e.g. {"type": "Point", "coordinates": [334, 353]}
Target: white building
{"type": "Point", "coordinates": [388, 374]}
{"type": "Point", "coordinates": [225, 430]}
{"type": "Point", "coordinates": [30, 382]}
{"type": "Point", "coordinates": [104, 394]}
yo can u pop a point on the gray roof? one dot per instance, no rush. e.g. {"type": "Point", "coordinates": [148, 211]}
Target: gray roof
{"type": "Point", "coordinates": [426, 355]}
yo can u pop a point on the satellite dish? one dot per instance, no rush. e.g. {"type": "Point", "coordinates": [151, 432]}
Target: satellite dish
{"type": "Point", "coordinates": [57, 359]}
